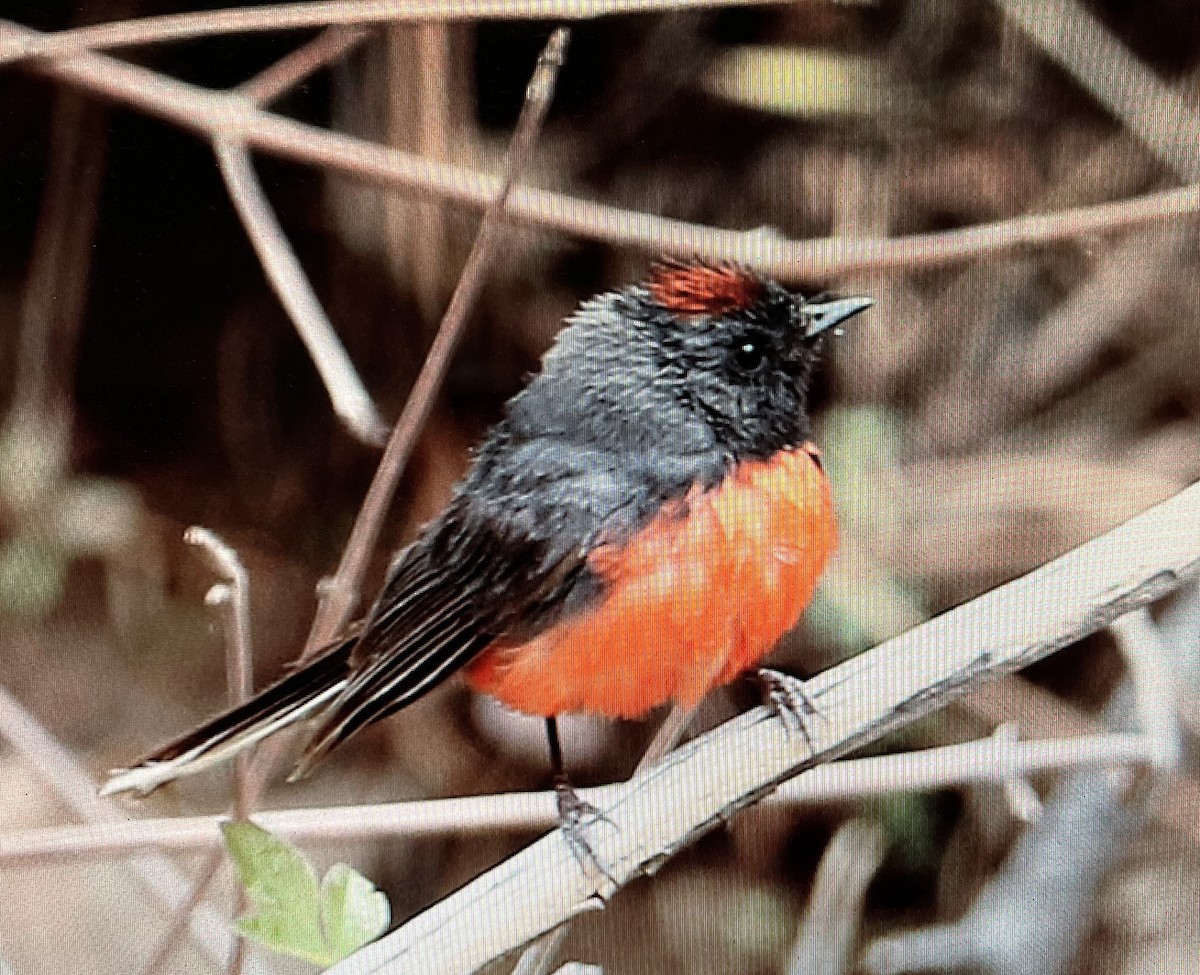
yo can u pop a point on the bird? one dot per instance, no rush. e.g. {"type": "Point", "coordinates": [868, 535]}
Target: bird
{"type": "Point", "coordinates": [644, 523]}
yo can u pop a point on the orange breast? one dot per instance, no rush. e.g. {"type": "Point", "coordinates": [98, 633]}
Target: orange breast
{"type": "Point", "coordinates": [703, 592]}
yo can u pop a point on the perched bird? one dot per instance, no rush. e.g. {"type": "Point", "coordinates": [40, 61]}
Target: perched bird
{"type": "Point", "coordinates": [646, 521]}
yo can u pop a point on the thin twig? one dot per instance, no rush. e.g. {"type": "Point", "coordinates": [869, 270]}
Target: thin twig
{"type": "Point", "coordinates": [1141, 645]}
{"type": "Point", "coordinates": [62, 773]}
{"type": "Point", "coordinates": [328, 46]}
{"type": "Point", "coordinates": [220, 115]}
{"type": "Point", "coordinates": [178, 927]}
{"type": "Point", "coordinates": [341, 595]}
{"type": "Point", "coordinates": [1040, 714]}
{"type": "Point", "coordinates": [708, 780]}
{"type": "Point", "coordinates": [950, 766]}
{"type": "Point", "coordinates": [234, 596]}
{"type": "Point", "coordinates": [351, 401]}
{"type": "Point", "coordinates": [294, 16]}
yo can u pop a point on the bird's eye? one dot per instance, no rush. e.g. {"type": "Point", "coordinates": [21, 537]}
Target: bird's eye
{"type": "Point", "coordinates": [749, 356]}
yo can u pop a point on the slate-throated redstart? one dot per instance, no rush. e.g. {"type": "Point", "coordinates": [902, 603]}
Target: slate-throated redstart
{"type": "Point", "coordinates": [643, 525]}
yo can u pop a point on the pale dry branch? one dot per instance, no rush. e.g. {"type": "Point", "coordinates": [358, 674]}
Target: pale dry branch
{"type": "Point", "coordinates": [351, 401]}
{"type": "Point", "coordinates": [1031, 917]}
{"type": "Point", "coordinates": [1071, 34]}
{"type": "Point", "coordinates": [327, 47]}
{"type": "Point", "coordinates": [537, 957]}
{"type": "Point", "coordinates": [177, 929]}
{"type": "Point", "coordinates": [233, 596]}
{"type": "Point", "coordinates": [62, 773]}
{"type": "Point", "coordinates": [345, 13]}
{"type": "Point", "coordinates": [1154, 705]}
{"type": "Point", "coordinates": [949, 766]}
{"type": "Point", "coordinates": [349, 397]}
{"type": "Point", "coordinates": [827, 933]}
{"type": "Point", "coordinates": [231, 116]}
{"type": "Point", "coordinates": [701, 785]}
{"type": "Point", "coordinates": [1041, 714]}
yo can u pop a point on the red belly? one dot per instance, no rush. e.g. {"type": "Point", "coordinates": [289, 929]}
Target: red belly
{"type": "Point", "coordinates": [702, 593]}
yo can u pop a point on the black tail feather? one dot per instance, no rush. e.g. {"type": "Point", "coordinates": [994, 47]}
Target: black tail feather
{"type": "Point", "coordinates": [295, 697]}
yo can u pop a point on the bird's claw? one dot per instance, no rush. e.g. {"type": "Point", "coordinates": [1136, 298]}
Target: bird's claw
{"type": "Point", "coordinates": [789, 701]}
{"type": "Point", "coordinates": [575, 815]}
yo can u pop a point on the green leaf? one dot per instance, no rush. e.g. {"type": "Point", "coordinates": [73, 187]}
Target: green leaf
{"type": "Point", "coordinates": [282, 887]}
{"type": "Point", "coordinates": [290, 913]}
{"type": "Point", "coordinates": [353, 911]}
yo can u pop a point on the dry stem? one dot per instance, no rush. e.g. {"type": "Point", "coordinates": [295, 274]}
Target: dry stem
{"type": "Point", "coordinates": [341, 595]}
{"type": "Point", "coordinates": [293, 16]}
{"type": "Point", "coordinates": [351, 401]}
{"type": "Point", "coordinates": [970, 763]}
{"type": "Point", "coordinates": [231, 116]}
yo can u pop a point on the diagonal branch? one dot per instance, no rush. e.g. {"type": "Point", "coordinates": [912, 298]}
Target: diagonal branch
{"type": "Point", "coordinates": [349, 397]}
{"type": "Point", "coordinates": [324, 49]}
{"type": "Point", "coordinates": [1075, 37]}
{"type": "Point", "coordinates": [700, 786]}
{"type": "Point", "coordinates": [294, 16]}
{"type": "Point", "coordinates": [161, 878]}
{"type": "Point", "coordinates": [220, 115]}
{"type": "Point", "coordinates": [340, 596]}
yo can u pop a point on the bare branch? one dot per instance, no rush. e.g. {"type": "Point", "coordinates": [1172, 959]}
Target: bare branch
{"type": "Point", "coordinates": [289, 71]}
{"type": "Point", "coordinates": [708, 780]}
{"type": "Point", "coordinates": [1141, 645]}
{"type": "Point", "coordinates": [351, 401]}
{"type": "Point", "coordinates": [59, 769]}
{"type": "Point", "coordinates": [827, 933]}
{"type": "Point", "coordinates": [1076, 39]}
{"type": "Point", "coordinates": [234, 595]}
{"type": "Point", "coordinates": [970, 763]}
{"type": "Point", "coordinates": [294, 16]}
{"type": "Point", "coordinates": [342, 593]}
{"type": "Point", "coordinates": [220, 115]}
{"type": "Point", "coordinates": [178, 927]}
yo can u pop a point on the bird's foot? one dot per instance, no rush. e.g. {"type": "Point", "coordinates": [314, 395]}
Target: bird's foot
{"type": "Point", "coordinates": [575, 815]}
{"type": "Point", "coordinates": [789, 700]}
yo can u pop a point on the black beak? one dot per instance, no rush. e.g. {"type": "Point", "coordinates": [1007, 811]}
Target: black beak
{"type": "Point", "coordinates": [824, 315]}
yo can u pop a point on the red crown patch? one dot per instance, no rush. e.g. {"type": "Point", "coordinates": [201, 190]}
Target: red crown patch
{"type": "Point", "coordinates": [695, 288]}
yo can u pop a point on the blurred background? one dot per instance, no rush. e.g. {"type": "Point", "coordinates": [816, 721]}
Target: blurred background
{"type": "Point", "coordinates": [990, 413]}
